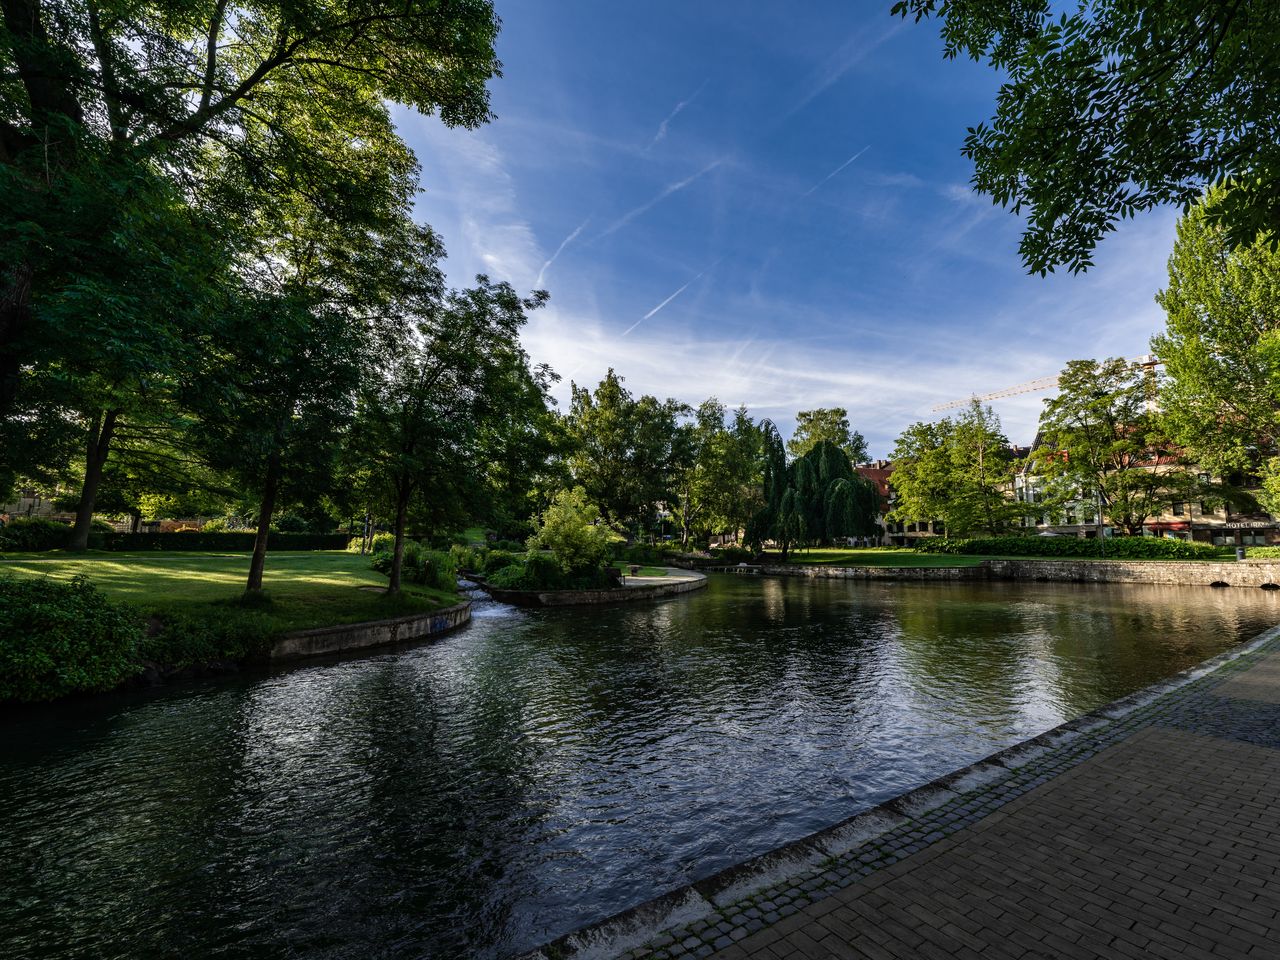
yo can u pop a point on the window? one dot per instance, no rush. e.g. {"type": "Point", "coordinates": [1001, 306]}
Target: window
{"type": "Point", "coordinates": [1179, 509]}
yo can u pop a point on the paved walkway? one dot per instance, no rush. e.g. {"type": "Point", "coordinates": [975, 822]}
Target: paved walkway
{"type": "Point", "coordinates": [1151, 834]}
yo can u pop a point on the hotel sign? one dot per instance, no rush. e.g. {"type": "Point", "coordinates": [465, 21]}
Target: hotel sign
{"type": "Point", "coordinates": [1249, 524]}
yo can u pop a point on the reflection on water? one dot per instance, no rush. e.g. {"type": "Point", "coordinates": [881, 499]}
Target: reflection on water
{"type": "Point", "coordinates": [543, 769]}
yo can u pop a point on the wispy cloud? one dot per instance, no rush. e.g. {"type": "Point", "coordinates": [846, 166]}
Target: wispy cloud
{"type": "Point", "coordinates": [666, 191]}
{"type": "Point", "coordinates": [675, 112]}
{"type": "Point", "coordinates": [559, 250]}
{"type": "Point", "coordinates": [835, 171]}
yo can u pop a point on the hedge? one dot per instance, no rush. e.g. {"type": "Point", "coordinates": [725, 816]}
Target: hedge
{"type": "Point", "coordinates": [233, 542]}
{"type": "Point", "coordinates": [1117, 548]}
{"type": "Point", "coordinates": [61, 637]}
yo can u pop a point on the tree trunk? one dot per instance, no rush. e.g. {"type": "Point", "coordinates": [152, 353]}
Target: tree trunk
{"type": "Point", "coordinates": [135, 520]}
{"type": "Point", "coordinates": [96, 450]}
{"type": "Point", "coordinates": [397, 556]}
{"type": "Point", "coordinates": [267, 508]}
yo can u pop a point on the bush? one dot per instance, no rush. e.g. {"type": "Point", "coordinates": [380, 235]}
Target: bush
{"type": "Point", "coordinates": [34, 533]}
{"type": "Point", "coordinates": [468, 558]}
{"type": "Point", "coordinates": [60, 637]}
{"type": "Point", "coordinates": [1259, 553]}
{"type": "Point", "coordinates": [511, 546]}
{"type": "Point", "coordinates": [181, 639]}
{"type": "Point", "coordinates": [734, 555]}
{"type": "Point", "coordinates": [292, 523]}
{"type": "Point", "coordinates": [1117, 548]}
{"type": "Point", "coordinates": [428, 568]}
{"type": "Point", "coordinates": [571, 529]}
{"type": "Point", "coordinates": [541, 571]}
{"type": "Point", "coordinates": [641, 554]}
{"type": "Point", "coordinates": [231, 542]}
{"type": "Point", "coordinates": [497, 559]}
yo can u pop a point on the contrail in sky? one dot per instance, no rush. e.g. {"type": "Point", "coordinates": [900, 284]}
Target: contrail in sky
{"type": "Point", "coordinates": [666, 192]}
{"type": "Point", "coordinates": [682, 289]}
{"type": "Point", "coordinates": [835, 171]}
{"type": "Point", "coordinates": [537, 284]}
{"type": "Point", "coordinates": [662, 127]}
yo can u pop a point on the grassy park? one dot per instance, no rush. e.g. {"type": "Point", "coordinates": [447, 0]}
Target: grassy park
{"type": "Point", "coordinates": [306, 589]}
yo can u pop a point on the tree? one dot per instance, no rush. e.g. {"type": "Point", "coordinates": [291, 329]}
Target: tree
{"type": "Point", "coordinates": [159, 89]}
{"type": "Point", "coordinates": [623, 449]}
{"type": "Point", "coordinates": [817, 498]}
{"type": "Point", "coordinates": [826, 423]}
{"type": "Point", "coordinates": [571, 529]}
{"type": "Point", "coordinates": [1221, 349]}
{"type": "Point", "coordinates": [1102, 442]}
{"type": "Point", "coordinates": [717, 483]}
{"type": "Point", "coordinates": [420, 416]}
{"type": "Point", "coordinates": [1110, 109]}
{"type": "Point", "coordinates": [956, 471]}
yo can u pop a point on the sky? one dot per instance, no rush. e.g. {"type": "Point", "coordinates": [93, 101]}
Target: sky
{"type": "Point", "coordinates": [769, 207]}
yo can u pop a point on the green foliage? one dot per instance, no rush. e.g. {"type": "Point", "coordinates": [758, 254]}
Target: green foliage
{"type": "Point", "coordinates": [1117, 548]}
{"type": "Point", "coordinates": [826, 423]}
{"type": "Point", "coordinates": [626, 451]}
{"type": "Point", "coordinates": [641, 553]}
{"type": "Point", "coordinates": [180, 638]}
{"type": "Point", "coordinates": [734, 555]}
{"type": "Point", "coordinates": [495, 560]}
{"type": "Point", "coordinates": [540, 571]}
{"type": "Point", "coordinates": [383, 542]}
{"type": "Point", "coordinates": [1107, 109]}
{"type": "Point", "coordinates": [1221, 348]}
{"type": "Point", "coordinates": [1261, 553]}
{"type": "Point", "coordinates": [514, 546]}
{"type": "Point", "coordinates": [468, 558]}
{"type": "Point", "coordinates": [58, 638]}
{"type": "Point", "coordinates": [421, 566]}
{"type": "Point", "coordinates": [34, 534]}
{"type": "Point", "coordinates": [1101, 441]}
{"type": "Point", "coordinates": [814, 500]}
{"type": "Point", "coordinates": [233, 541]}
{"type": "Point", "coordinates": [956, 471]}
{"type": "Point", "coordinates": [571, 529]}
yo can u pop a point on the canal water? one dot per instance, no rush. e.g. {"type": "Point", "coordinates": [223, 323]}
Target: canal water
{"type": "Point", "coordinates": [543, 769]}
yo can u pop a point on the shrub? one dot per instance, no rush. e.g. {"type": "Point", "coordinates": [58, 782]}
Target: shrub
{"type": "Point", "coordinates": [734, 555]}
{"type": "Point", "coordinates": [180, 639]}
{"type": "Point", "coordinates": [1259, 553]}
{"type": "Point", "coordinates": [571, 529]}
{"type": "Point", "coordinates": [497, 559]}
{"type": "Point", "coordinates": [641, 554]}
{"type": "Point", "coordinates": [510, 577]}
{"type": "Point", "coordinates": [468, 558]}
{"type": "Point", "coordinates": [34, 533]}
{"type": "Point", "coordinates": [541, 571]}
{"type": "Point", "coordinates": [1117, 548]}
{"type": "Point", "coordinates": [512, 546]}
{"type": "Point", "coordinates": [292, 523]}
{"type": "Point", "coordinates": [428, 568]}
{"type": "Point", "coordinates": [60, 637]}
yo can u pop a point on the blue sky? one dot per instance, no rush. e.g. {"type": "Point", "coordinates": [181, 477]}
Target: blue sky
{"type": "Point", "coordinates": [767, 206]}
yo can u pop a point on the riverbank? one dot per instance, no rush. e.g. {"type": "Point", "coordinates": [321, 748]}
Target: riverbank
{"type": "Point", "coordinates": [1144, 828]}
{"type": "Point", "coordinates": [673, 581]}
{"type": "Point", "coordinates": [1246, 573]}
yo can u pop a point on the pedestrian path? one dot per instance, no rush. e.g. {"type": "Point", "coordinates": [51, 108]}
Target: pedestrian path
{"type": "Point", "coordinates": [1150, 830]}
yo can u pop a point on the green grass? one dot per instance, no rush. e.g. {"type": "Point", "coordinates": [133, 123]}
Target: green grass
{"type": "Point", "coordinates": [307, 589]}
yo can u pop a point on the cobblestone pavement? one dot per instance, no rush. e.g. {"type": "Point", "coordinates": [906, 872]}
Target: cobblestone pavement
{"type": "Point", "coordinates": [1155, 833]}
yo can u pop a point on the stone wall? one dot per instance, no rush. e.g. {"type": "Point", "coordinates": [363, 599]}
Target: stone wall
{"type": "Point", "coordinates": [1249, 573]}
{"type": "Point", "coordinates": [376, 633]}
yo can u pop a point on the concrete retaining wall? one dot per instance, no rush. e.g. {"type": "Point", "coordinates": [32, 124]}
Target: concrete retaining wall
{"type": "Point", "coordinates": [1249, 573]}
{"type": "Point", "coordinates": [375, 633]}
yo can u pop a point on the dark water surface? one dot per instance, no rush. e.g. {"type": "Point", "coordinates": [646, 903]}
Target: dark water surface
{"type": "Point", "coordinates": [543, 769]}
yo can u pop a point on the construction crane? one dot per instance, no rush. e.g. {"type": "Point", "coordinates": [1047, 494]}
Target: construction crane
{"type": "Point", "coordinates": [1147, 361]}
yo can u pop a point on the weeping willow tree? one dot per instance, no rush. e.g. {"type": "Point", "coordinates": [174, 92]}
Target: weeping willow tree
{"type": "Point", "coordinates": [812, 501]}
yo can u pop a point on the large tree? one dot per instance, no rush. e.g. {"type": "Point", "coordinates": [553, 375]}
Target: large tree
{"type": "Point", "coordinates": [1102, 443]}
{"type": "Point", "coordinates": [624, 449]}
{"type": "Point", "coordinates": [104, 104]}
{"type": "Point", "coordinates": [956, 471]}
{"type": "Point", "coordinates": [826, 423]}
{"type": "Point", "coordinates": [1109, 108]}
{"type": "Point", "coordinates": [1221, 350]}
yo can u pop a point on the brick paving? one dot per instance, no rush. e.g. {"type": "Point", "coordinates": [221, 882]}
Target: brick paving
{"type": "Point", "coordinates": [1154, 832]}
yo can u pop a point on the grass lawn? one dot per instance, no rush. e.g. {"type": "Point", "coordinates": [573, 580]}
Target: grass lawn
{"type": "Point", "coordinates": [307, 589]}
